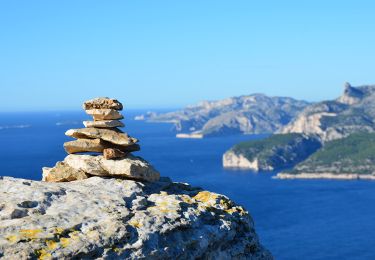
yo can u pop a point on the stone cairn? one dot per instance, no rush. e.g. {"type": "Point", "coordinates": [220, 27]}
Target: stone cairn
{"type": "Point", "coordinates": [108, 149]}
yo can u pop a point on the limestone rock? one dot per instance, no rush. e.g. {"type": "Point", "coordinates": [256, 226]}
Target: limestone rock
{"type": "Point", "coordinates": [275, 152]}
{"type": "Point", "coordinates": [111, 153]}
{"type": "Point", "coordinates": [103, 124]}
{"type": "Point", "coordinates": [104, 114]}
{"type": "Point", "coordinates": [84, 145]}
{"type": "Point", "coordinates": [96, 145]}
{"type": "Point", "coordinates": [130, 167]}
{"type": "Point", "coordinates": [250, 114]}
{"type": "Point", "coordinates": [108, 135]}
{"type": "Point", "coordinates": [352, 112]}
{"type": "Point", "coordinates": [233, 160]}
{"type": "Point", "coordinates": [63, 173]}
{"type": "Point", "coordinates": [102, 103]}
{"type": "Point", "coordinates": [100, 218]}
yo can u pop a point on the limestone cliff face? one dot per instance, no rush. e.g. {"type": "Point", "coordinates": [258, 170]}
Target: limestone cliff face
{"type": "Point", "coordinates": [106, 218]}
{"type": "Point", "coordinates": [275, 152]}
{"type": "Point", "coordinates": [251, 114]}
{"type": "Point", "coordinates": [233, 160]}
{"type": "Point", "coordinates": [352, 112]}
{"type": "Point", "coordinates": [351, 95]}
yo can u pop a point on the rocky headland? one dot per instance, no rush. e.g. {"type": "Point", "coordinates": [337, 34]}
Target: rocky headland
{"type": "Point", "coordinates": [352, 157]}
{"type": "Point", "coordinates": [272, 153]}
{"type": "Point", "coordinates": [102, 202]}
{"type": "Point", "coordinates": [251, 114]}
{"type": "Point", "coordinates": [343, 127]}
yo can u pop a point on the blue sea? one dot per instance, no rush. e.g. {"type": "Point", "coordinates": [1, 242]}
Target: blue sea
{"type": "Point", "coordinates": [295, 219]}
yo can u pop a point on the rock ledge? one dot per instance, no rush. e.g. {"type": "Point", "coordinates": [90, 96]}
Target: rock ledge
{"type": "Point", "coordinates": [108, 218]}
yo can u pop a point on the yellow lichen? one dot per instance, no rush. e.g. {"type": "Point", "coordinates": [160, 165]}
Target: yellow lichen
{"type": "Point", "coordinates": [225, 203]}
{"type": "Point", "coordinates": [237, 209]}
{"type": "Point", "coordinates": [117, 250]}
{"type": "Point", "coordinates": [162, 204]}
{"type": "Point", "coordinates": [43, 254]}
{"type": "Point", "coordinates": [206, 197]}
{"type": "Point", "coordinates": [187, 199]}
{"type": "Point", "coordinates": [12, 238]}
{"type": "Point", "coordinates": [30, 233]}
{"type": "Point", "coordinates": [58, 231]}
{"type": "Point", "coordinates": [74, 234]}
{"type": "Point", "coordinates": [51, 245]}
{"type": "Point", "coordinates": [64, 242]}
{"type": "Point", "coordinates": [135, 223]}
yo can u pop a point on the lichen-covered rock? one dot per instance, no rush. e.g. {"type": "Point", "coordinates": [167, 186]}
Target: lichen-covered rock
{"type": "Point", "coordinates": [129, 167]}
{"type": "Point", "coordinates": [100, 218]}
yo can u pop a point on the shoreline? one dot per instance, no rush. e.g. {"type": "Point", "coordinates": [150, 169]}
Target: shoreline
{"type": "Point", "coordinates": [191, 136]}
{"type": "Point", "coordinates": [332, 176]}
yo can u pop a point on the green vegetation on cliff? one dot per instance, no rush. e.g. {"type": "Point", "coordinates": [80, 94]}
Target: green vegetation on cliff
{"type": "Point", "coordinates": [278, 151]}
{"type": "Point", "coordinates": [353, 154]}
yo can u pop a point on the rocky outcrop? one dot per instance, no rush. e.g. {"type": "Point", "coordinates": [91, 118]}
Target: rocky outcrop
{"type": "Point", "coordinates": [351, 157]}
{"type": "Point", "coordinates": [116, 206]}
{"type": "Point", "coordinates": [101, 218]}
{"type": "Point", "coordinates": [272, 153]}
{"type": "Point", "coordinates": [252, 114]}
{"type": "Point", "coordinates": [352, 112]}
{"type": "Point", "coordinates": [351, 95]}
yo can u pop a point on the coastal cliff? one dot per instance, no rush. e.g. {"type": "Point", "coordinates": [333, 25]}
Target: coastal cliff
{"type": "Point", "coordinates": [353, 111]}
{"type": "Point", "coordinates": [109, 218]}
{"type": "Point", "coordinates": [272, 153]}
{"type": "Point", "coordinates": [347, 158]}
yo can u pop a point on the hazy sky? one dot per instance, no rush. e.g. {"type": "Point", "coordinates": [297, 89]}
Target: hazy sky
{"type": "Point", "coordinates": [55, 54]}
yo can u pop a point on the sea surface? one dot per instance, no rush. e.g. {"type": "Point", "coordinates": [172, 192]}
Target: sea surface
{"type": "Point", "coordinates": [295, 219]}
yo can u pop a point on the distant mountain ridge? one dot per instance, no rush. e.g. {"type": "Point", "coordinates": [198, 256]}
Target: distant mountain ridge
{"type": "Point", "coordinates": [249, 114]}
{"type": "Point", "coordinates": [352, 112]}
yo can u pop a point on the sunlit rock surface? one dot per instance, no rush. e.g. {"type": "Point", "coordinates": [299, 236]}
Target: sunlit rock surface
{"type": "Point", "coordinates": [101, 218]}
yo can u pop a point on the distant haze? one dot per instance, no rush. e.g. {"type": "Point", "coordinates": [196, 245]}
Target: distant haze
{"type": "Point", "coordinates": [158, 54]}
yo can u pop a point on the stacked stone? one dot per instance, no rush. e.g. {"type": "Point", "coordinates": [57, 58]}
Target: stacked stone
{"type": "Point", "coordinates": [112, 148]}
{"type": "Point", "coordinates": [102, 134]}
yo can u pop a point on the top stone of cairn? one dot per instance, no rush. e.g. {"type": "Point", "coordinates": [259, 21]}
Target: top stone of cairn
{"type": "Point", "coordinates": [102, 103]}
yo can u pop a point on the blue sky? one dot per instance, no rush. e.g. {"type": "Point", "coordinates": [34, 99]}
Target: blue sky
{"type": "Point", "coordinates": [154, 54]}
